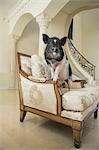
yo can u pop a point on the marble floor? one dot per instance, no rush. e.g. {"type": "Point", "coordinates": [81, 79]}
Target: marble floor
{"type": "Point", "coordinates": [38, 133]}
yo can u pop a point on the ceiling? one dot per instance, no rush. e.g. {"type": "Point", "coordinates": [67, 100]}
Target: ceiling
{"type": "Point", "coordinates": [74, 6]}
{"type": "Point", "coordinates": [6, 6]}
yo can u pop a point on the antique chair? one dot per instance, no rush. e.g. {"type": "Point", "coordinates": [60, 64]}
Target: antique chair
{"type": "Point", "coordinates": [48, 99]}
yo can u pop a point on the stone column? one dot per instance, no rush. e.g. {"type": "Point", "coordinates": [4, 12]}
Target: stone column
{"type": "Point", "coordinates": [43, 21]}
{"type": "Point", "coordinates": [12, 80]}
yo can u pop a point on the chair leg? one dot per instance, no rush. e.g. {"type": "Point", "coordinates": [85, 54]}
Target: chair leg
{"type": "Point", "coordinates": [22, 115]}
{"type": "Point", "coordinates": [77, 138]}
{"type": "Point", "coordinates": [77, 133]}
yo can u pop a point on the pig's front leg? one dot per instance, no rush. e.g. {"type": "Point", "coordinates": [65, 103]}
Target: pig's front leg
{"type": "Point", "coordinates": [52, 73]}
{"type": "Point", "coordinates": [58, 69]}
{"type": "Point", "coordinates": [56, 74]}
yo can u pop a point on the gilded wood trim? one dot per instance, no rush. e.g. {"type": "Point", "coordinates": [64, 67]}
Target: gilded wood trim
{"type": "Point", "coordinates": [20, 96]}
{"type": "Point", "coordinates": [22, 54]}
{"type": "Point", "coordinates": [19, 82]}
{"type": "Point", "coordinates": [48, 115]}
{"type": "Point", "coordinates": [22, 115]}
{"type": "Point", "coordinates": [59, 99]}
{"type": "Point", "coordinates": [90, 113]}
{"type": "Point", "coordinates": [20, 71]}
{"type": "Point", "coordinates": [77, 127]}
{"type": "Point", "coordinates": [83, 82]}
{"type": "Point", "coordinates": [77, 137]}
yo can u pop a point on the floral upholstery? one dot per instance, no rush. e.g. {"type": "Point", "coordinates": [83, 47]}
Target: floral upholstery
{"type": "Point", "coordinates": [81, 99]}
{"type": "Point", "coordinates": [78, 115]}
{"type": "Point", "coordinates": [78, 103]}
{"type": "Point", "coordinates": [39, 95]}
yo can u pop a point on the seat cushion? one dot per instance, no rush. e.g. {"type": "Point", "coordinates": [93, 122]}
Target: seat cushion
{"type": "Point", "coordinates": [76, 115]}
{"type": "Point", "coordinates": [80, 99]}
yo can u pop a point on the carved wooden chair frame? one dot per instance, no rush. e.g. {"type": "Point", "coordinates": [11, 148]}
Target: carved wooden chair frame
{"type": "Point", "coordinates": [77, 126]}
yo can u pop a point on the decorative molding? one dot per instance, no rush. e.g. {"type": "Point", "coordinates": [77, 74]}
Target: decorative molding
{"type": "Point", "coordinates": [18, 8]}
{"type": "Point", "coordinates": [43, 19]}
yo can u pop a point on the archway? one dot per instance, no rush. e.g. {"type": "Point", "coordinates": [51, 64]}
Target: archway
{"type": "Point", "coordinates": [75, 7]}
{"type": "Point", "coordinates": [25, 28]}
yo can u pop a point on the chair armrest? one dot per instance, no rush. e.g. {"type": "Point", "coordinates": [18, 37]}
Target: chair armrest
{"type": "Point", "coordinates": [82, 82]}
{"type": "Point", "coordinates": [41, 80]}
{"type": "Point", "coordinates": [76, 84]}
{"type": "Point", "coordinates": [73, 84]}
{"type": "Point", "coordinates": [42, 95]}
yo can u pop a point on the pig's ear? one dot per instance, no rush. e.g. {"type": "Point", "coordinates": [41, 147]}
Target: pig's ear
{"type": "Point", "coordinates": [45, 38]}
{"type": "Point", "coordinates": [63, 41]}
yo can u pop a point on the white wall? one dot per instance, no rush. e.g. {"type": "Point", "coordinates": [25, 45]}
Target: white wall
{"type": "Point", "coordinates": [28, 42]}
{"type": "Point", "coordinates": [4, 55]}
{"type": "Point", "coordinates": [57, 26]}
{"type": "Point", "coordinates": [77, 31]}
{"type": "Point", "coordinates": [89, 35]}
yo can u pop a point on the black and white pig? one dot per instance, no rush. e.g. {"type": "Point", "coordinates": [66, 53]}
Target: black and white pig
{"type": "Point", "coordinates": [55, 56]}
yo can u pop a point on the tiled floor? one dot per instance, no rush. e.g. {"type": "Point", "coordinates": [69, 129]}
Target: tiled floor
{"type": "Point", "coordinates": [38, 133]}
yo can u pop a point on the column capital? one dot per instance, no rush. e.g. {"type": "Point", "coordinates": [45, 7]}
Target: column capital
{"type": "Point", "coordinates": [43, 19]}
